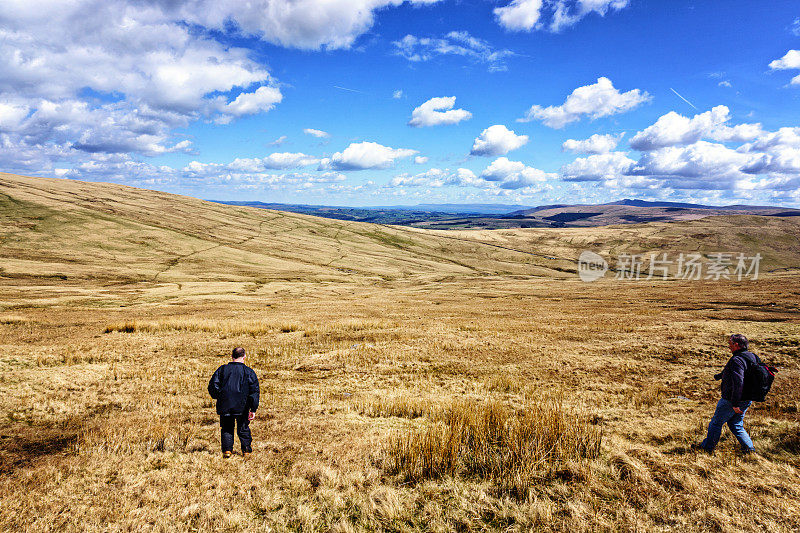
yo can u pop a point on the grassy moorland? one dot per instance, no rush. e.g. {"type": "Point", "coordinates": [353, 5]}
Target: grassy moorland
{"type": "Point", "coordinates": [411, 380]}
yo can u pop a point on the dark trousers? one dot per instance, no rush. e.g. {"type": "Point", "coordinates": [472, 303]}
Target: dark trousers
{"type": "Point", "coordinates": [242, 424]}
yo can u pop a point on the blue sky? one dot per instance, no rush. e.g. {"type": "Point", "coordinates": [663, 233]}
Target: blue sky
{"type": "Point", "coordinates": [377, 102]}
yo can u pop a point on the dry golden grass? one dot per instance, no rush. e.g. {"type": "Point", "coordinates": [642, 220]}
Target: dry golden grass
{"type": "Point", "coordinates": [418, 401]}
{"type": "Point", "coordinates": [515, 451]}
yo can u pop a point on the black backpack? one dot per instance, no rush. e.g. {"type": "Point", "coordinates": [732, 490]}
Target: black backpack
{"type": "Point", "coordinates": [758, 378]}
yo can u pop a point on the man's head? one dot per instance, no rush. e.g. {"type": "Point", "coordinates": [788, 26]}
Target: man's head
{"type": "Point", "coordinates": [737, 341]}
{"type": "Point", "coordinates": [238, 353]}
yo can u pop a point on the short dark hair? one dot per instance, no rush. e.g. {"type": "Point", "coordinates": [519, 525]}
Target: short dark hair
{"type": "Point", "coordinates": [741, 340]}
{"type": "Point", "coordinates": [238, 352]}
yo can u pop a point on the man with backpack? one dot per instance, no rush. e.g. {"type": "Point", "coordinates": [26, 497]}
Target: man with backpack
{"type": "Point", "coordinates": [235, 387]}
{"type": "Point", "coordinates": [744, 379]}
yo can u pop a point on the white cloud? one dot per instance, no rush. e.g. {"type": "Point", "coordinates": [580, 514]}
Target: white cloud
{"type": "Point", "coordinates": [364, 155]}
{"type": "Point", "coordinates": [12, 115]}
{"type": "Point", "coordinates": [790, 61]}
{"type": "Point", "coordinates": [514, 174]}
{"type": "Point", "coordinates": [438, 111]}
{"type": "Point", "coordinates": [316, 133]}
{"type": "Point", "coordinates": [705, 160]}
{"type": "Point", "coordinates": [600, 99]}
{"type": "Point", "coordinates": [596, 144]}
{"type": "Point", "coordinates": [305, 24]}
{"type": "Point", "coordinates": [497, 140]}
{"type": "Point", "coordinates": [598, 167]}
{"type": "Point", "coordinates": [114, 77]}
{"type": "Point", "coordinates": [528, 15]}
{"type": "Point", "coordinates": [458, 43]}
{"type": "Point", "coordinates": [397, 94]}
{"type": "Point", "coordinates": [519, 15]}
{"type": "Point", "coordinates": [435, 177]}
{"type": "Point", "coordinates": [725, 83]}
{"type": "Point", "coordinates": [776, 152]}
{"type": "Point", "coordinates": [283, 160]}
{"type": "Point", "coordinates": [568, 13]}
{"type": "Point", "coordinates": [420, 160]}
{"type": "Point", "coordinates": [261, 100]}
{"type": "Point", "coordinates": [279, 141]}
{"type": "Point", "coordinates": [673, 129]}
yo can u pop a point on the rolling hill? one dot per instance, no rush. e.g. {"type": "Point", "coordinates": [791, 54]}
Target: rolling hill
{"type": "Point", "coordinates": [71, 230]}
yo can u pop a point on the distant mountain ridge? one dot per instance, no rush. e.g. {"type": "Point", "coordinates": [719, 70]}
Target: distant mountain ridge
{"type": "Point", "coordinates": [499, 216]}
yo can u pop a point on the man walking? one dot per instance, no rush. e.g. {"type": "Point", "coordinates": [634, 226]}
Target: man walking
{"type": "Point", "coordinates": [235, 387]}
{"type": "Point", "coordinates": [735, 397]}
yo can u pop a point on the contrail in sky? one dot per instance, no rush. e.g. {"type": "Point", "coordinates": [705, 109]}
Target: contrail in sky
{"type": "Point", "coordinates": [682, 98]}
{"type": "Point", "coordinates": [351, 90]}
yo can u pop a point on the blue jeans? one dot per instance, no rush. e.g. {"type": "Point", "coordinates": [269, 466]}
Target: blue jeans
{"type": "Point", "coordinates": [724, 414]}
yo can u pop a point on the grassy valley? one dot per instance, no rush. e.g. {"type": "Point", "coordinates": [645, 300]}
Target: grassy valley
{"type": "Point", "coordinates": [412, 379]}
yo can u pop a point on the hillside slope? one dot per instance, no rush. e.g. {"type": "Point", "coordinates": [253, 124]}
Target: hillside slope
{"type": "Point", "coordinates": [71, 229]}
{"type": "Point", "coordinates": [776, 239]}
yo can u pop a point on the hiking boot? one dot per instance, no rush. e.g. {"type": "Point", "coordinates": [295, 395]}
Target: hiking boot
{"type": "Point", "coordinates": [700, 448]}
{"type": "Point", "coordinates": [246, 455]}
{"type": "Point", "coordinates": [748, 452]}
{"type": "Point", "coordinates": [226, 455]}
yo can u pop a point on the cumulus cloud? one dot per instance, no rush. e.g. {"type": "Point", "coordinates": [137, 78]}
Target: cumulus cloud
{"type": "Point", "coordinates": [420, 160]}
{"type": "Point", "coordinates": [316, 133]}
{"type": "Point", "coordinates": [774, 152]}
{"type": "Point", "coordinates": [596, 144]}
{"type": "Point", "coordinates": [598, 100]}
{"type": "Point", "coordinates": [458, 43]}
{"type": "Point", "coordinates": [501, 175]}
{"type": "Point", "coordinates": [790, 61]}
{"type": "Point", "coordinates": [283, 160]}
{"type": "Point", "coordinates": [514, 174]}
{"type": "Point", "coordinates": [113, 77]}
{"type": "Point", "coordinates": [699, 160]}
{"type": "Point", "coordinates": [305, 24]}
{"type": "Point", "coordinates": [261, 100]}
{"type": "Point", "coordinates": [673, 129]}
{"type": "Point", "coordinates": [519, 15]}
{"type": "Point", "coordinates": [397, 94]}
{"type": "Point", "coordinates": [597, 167]}
{"type": "Point", "coordinates": [568, 13]}
{"type": "Point", "coordinates": [435, 177]}
{"type": "Point", "coordinates": [239, 175]}
{"type": "Point", "coordinates": [529, 15]}
{"type": "Point", "coordinates": [695, 154]}
{"type": "Point", "coordinates": [12, 115]}
{"type": "Point", "coordinates": [438, 111]}
{"type": "Point", "coordinates": [364, 155]}
{"type": "Point", "coordinates": [497, 140]}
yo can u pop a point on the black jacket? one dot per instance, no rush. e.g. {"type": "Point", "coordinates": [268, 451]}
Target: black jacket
{"type": "Point", "coordinates": [235, 387]}
{"type": "Point", "coordinates": [733, 381]}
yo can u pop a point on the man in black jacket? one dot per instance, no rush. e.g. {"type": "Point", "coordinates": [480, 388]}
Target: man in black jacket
{"type": "Point", "coordinates": [235, 387]}
{"type": "Point", "coordinates": [735, 397]}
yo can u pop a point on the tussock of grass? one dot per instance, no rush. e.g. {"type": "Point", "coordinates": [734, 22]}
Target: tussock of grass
{"type": "Point", "coordinates": [513, 450]}
{"type": "Point", "coordinates": [201, 325]}
{"type": "Point", "coordinates": [504, 383]}
{"type": "Point", "coordinates": [649, 395]}
{"type": "Point", "coordinates": [125, 435]}
{"type": "Point", "coordinates": [400, 405]}
{"type": "Point", "coordinates": [13, 319]}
